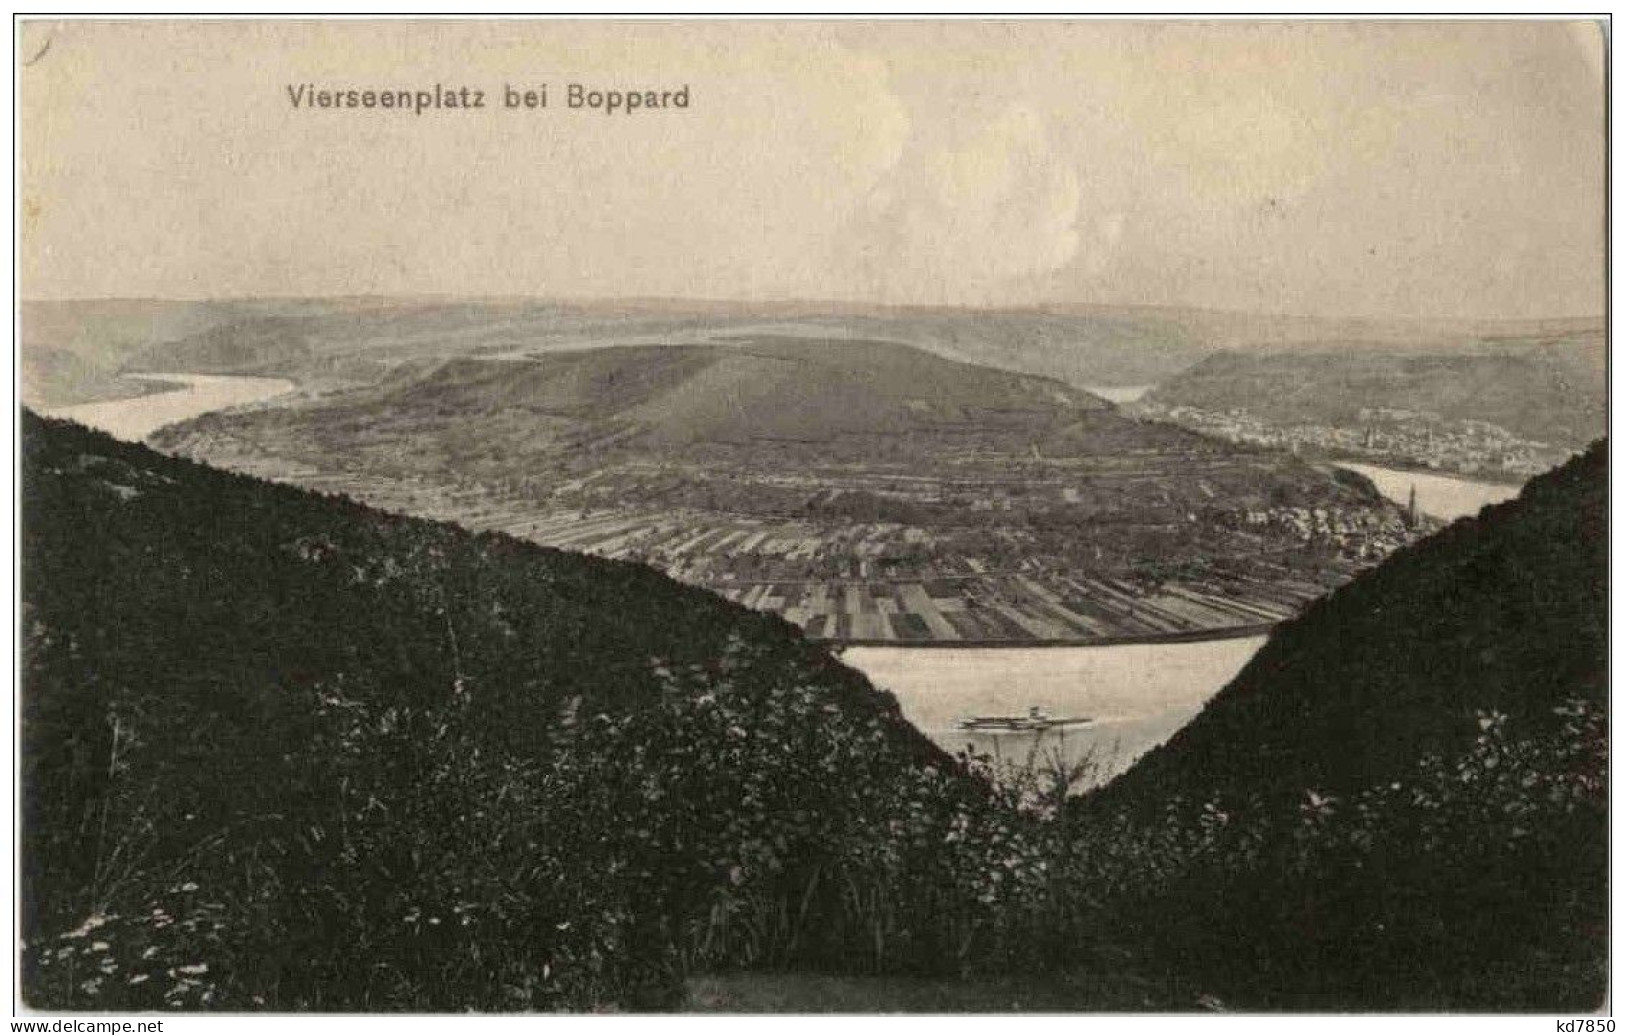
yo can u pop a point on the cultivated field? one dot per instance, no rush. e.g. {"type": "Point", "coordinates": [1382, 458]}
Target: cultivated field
{"type": "Point", "coordinates": [765, 564]}
{"type": "Point", "coordinates": [963, 600]}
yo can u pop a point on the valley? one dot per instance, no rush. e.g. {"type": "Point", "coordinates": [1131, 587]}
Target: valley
{"type": "Point", "coordinates": [1056, 550]}
{"type": "Point", "coordinates": [1140, 659]}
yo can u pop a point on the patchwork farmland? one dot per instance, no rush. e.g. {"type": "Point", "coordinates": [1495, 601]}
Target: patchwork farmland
{"type": "Point", "coordinates": [1015, 609]}
{"type": "Point", "coordinates": [839, 583]}
{"type": "Point", "coordinates": [961, 602]}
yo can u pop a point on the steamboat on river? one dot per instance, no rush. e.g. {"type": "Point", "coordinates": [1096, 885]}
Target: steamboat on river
{"type": "Point", "coordinates": [1036, 720]}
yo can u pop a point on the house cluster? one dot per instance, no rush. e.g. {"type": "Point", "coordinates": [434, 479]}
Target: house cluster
{"type": "Point", "coordinates": [1357, 534]}
{"type": "Point", "coordinates": [1382, 435]}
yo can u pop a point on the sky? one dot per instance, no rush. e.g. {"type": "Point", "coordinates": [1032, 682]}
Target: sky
{"type": "Point", "coordinates": [1392, 169]}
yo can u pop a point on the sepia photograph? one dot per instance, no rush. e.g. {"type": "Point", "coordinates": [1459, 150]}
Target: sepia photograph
{"type": "Point", "coordinates": [798, 516]}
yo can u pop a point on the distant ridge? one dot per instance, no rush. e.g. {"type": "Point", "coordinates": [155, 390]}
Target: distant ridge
{"type": "Point", "coordinates": [356, 338]}
{"type": "Point", "coordinates": [1550, 388]}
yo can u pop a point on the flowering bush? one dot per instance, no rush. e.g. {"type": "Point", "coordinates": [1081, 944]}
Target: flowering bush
{"type": "Point", "coordinates": [1416, 892]}
{"type": "Point", "coordinates": [743, 817]}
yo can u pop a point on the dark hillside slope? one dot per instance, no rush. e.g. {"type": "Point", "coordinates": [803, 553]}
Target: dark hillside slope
{"type": "Point", "coordinates": [1504, 612]}
{"type": "Point", "coordinates": [1402, 801]}
{"type": "Point", "coordinates": [282, 750]}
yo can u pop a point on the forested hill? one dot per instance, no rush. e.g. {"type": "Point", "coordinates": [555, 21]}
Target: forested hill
{"type": "Point", "coordinates": [1505, 613]}
{"type": "Point", "coordinates": [185, 573]}
{"type": "Point", "coordinates": [1403, 798]}
{"type": "Point", "coordinates": [262, 726]}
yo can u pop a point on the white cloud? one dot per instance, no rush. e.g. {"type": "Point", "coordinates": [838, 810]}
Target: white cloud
{"type": "Point", "coordinates": [956, 220]}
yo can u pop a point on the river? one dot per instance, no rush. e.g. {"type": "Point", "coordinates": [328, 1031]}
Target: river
{"type": "Point", "coordinates": [1119, 394]}
{"type": "Point", "coordinates": [136, 418]}
{"type": "Point", "coordinates": [1437, 495]}
{"type": "Point", "coordinates": [1137, 695]}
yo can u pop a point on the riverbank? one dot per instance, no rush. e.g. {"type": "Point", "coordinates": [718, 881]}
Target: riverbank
{"type": "Point", "coordinates": [1399, 465]}
{"type": "Point", "coordinates": [121, 388]}
{"type": "Point", "coordinates": [1148, 639]}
